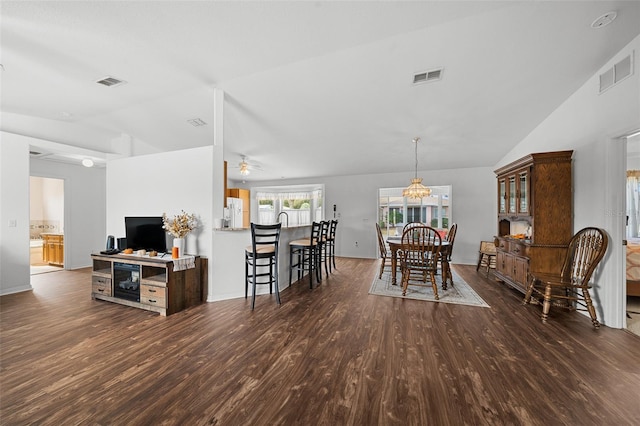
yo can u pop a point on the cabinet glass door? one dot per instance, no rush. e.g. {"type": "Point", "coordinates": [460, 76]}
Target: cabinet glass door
{"type": "Point", "coordinates": [502, 196]}
{"type": "Point", "coordinates": [512, 194]}
{"type": "Point", "coordinates": [524, 193]}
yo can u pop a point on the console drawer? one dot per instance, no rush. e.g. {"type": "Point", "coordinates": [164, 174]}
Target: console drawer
{"type": "Point", "coordinates": [154, 296]}
{"type": "Point", "coordinates": [153, 301]}
{"type": "Point", "coordinates": [101, 285]}
{"type": "Point", "coordinates": [153, 291]}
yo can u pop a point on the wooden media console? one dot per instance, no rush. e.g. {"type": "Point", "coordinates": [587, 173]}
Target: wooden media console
{"type": "Point", "coordinates": [159, 288]}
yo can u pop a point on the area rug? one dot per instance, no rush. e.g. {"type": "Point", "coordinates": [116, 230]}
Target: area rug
{"type": "Point", "coordinates": [459, 293]}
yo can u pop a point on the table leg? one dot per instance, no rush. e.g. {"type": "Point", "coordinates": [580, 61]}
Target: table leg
{"type": "Point", "coordinates": [394, 264]}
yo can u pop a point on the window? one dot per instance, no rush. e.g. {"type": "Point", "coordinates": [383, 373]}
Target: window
{"type": "Point", "coordinates": [300, 205]}
{"type": "Point", "coordinates": [394, 210]}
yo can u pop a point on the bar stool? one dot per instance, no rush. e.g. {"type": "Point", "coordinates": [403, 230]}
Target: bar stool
{"type": "Point", "coordinates": [307, 253]}
{"type": "Point", "coordinates": [331, 243]}
{"type": "Point", "coordinates": [323, 246]}
{"type": "Point", "coordinates": [264, 246]}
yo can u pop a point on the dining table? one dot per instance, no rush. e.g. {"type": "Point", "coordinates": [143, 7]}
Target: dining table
{"type": "Point", "coordinates": [395, 244]}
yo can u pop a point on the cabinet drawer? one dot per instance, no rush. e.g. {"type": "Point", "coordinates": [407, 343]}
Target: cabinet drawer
{"type": "Point", "coordinates": [152, 291]}
{"type": "Point", "coordinates": [154, 296]}
{"type": "Point", "coordinates": [97, 280]}
{"type": "Point", "coordinates": [517, 249]}
{"type": "Point", "coordinates": [101, 289]}
{"type": "Point", "coordinates": [101, 285]}
{"type": "Point", "coordinates": [154, 301]}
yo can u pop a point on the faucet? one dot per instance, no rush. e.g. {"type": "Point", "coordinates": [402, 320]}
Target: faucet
{"type": "Point", "coordinates": [284, 213]}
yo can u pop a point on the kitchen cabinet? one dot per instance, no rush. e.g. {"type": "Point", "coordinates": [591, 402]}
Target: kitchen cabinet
{"type": "Point", "coordinates": [53, 249]}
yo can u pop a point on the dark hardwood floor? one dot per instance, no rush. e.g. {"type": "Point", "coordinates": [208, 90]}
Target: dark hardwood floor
{"type": "Point", "coordinates": [334, 355]}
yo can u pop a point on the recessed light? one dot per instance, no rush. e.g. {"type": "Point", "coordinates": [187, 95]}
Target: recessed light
{"type": "Point", "coordinates": [604, 20]}
{"type": "Point", "coordinates": [87, 162]}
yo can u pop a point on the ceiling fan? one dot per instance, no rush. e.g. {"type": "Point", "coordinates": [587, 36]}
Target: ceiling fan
{"type": "Point", "coordinates": [246, 167]}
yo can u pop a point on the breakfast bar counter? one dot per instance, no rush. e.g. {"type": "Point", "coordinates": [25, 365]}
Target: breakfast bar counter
{"type": "Point", "coordinates": [229, 244]}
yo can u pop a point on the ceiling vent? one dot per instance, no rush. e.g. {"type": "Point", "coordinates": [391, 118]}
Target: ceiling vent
{"type": "Point", "coordinates": [110, 81]}
{"type": "Point", "coordinates": [38, 154]}
{"type": "Point", "coordinates": [617, 73]}
{"type": "Point", "coordinates": [197, 122]}
{"type": "Point", "coordinates": [428, 76]}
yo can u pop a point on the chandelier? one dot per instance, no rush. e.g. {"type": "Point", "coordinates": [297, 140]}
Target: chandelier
{"type": "Point", "coordinates": [416, 189]}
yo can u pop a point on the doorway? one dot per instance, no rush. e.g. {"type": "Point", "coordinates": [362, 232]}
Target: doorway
{"type": "Point", "coordinates": [46, 224]}
{"type": "Point", "coordinates": [632, 234]}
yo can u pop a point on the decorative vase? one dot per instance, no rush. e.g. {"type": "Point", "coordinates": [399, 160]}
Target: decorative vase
{"type": "Point", "coordinates": [179, 244]}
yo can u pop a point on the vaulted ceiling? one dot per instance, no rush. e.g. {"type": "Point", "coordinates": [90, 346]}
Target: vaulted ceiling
{"type": "Point", "coordinates": [311, 88]}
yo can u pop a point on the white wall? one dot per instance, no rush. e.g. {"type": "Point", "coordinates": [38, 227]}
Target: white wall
{"type": "Point", "coordinates": [84, 208]}
{"type": "Point", "coordinates": [46, 202]}
{"type": "Point", "coordinates": [84, 211]}
{"type": "Point", "coordinates": [53, 201]}
{"type": "Point", "coordinates": [590, 124]}
{"type": "Point", "coordinates": [168, 182]}
{"type": "Point", "coordinates": [36, 211]}
{"type": "Point", "coordinates": [14, 208]}
{"type": "Point", "coordinates": [356, 197]}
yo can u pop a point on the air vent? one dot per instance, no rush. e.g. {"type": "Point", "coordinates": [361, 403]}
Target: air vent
{"type": "Point", "coordinates": [110, 81]}
{"type": "Point", "coordinates": [606, 80]}
{"type": "Point", "coordinates": [427, 76]}
{"type": "Point", "coordinates": [196, 122]}
{"type": "Point", "coordinates": [622, 69]}
{"type": "Point", "coordinates": [38, 154]}
{"type": "Point", "coordinates": [617, 73]}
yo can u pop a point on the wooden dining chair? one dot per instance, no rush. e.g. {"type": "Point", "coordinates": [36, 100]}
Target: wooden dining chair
{"type": "Point", "coordinates": [419, 258]}
{"type": "Point", "coordinates": [445, 255]}
{"type": "Point", "coordinates": [570, 287]}
{"type": "Point", "coordinates": [411, 225]}
{"type": "Point", "coordinates": [382, 247]}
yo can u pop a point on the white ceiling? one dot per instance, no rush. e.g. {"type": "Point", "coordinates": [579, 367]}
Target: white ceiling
{"type": "Point", "coordinates": [311, 88]}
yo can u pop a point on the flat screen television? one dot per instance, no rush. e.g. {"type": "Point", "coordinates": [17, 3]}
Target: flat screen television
{"type": "Point", "coordinates": [145, 233]}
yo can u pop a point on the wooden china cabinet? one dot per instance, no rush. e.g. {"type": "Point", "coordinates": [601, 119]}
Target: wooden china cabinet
{"type": "Point", "coordinates": [535, 215]}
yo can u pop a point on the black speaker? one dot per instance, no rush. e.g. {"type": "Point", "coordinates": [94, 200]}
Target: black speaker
{"type": "Point", "coordinates": [122, 243]}
{"type": "Point", "coordinates": [111, 242]}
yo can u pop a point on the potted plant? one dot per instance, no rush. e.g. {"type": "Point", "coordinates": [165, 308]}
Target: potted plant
{"type": "Point", "coordinates": [179, 227]}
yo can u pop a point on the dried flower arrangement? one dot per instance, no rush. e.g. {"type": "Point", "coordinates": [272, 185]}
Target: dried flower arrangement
{"type": "Point", "coordinates": [180, 225]}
